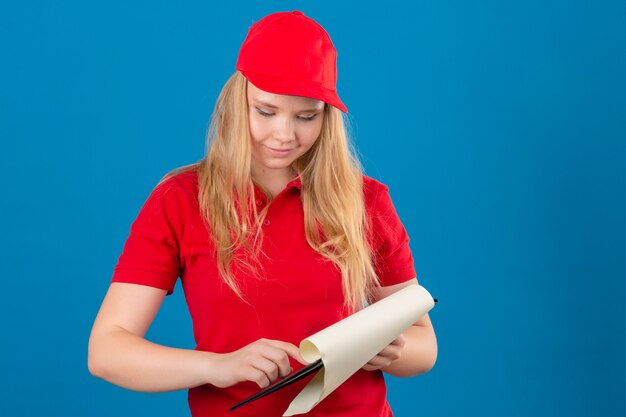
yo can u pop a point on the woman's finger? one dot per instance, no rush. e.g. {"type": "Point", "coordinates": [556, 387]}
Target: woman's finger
{"type": "Point", "coordinates": [257, 376]}
{"type": "Point", "coordinates": [291, 350]}
{"type": "Point", "coordinates": [392, 352]}
{"type": "Point", "coordinates": [280, 358]}
{"type": "Point", "coordinates": [268, 367]}
{"type": "Point", "coordinates": [399, 341]}
{"type": "Point", "coordinates": [379, 361]}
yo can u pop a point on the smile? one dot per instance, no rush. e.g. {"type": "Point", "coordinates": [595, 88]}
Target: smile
{"type": "Point", "coordinates": [279, 152]}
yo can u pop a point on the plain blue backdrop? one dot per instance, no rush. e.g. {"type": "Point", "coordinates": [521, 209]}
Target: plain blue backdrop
{"type": "Point", "coordinates": [500, 128]}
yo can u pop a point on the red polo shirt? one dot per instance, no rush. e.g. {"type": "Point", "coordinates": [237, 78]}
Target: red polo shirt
{"type": "Point", "coordinates": [298, 294]}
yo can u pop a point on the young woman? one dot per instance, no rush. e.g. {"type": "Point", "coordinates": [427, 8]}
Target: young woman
{"type": "Point", "coordinates": [275, 235]}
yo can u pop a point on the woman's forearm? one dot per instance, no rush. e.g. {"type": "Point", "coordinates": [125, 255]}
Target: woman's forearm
{"type": "Point", "coordinates": [132, 362]}
{"type": "Point", "coordinates": [419, 354]}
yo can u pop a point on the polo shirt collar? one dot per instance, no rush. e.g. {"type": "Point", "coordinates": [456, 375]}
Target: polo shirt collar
{"type": "Point", "coordinates": [294, 183]}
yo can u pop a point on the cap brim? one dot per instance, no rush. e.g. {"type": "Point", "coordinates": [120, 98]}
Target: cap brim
{"type": "Point", "coordinates": [294, 88]}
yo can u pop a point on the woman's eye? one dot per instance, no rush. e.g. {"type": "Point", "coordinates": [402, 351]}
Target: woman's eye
{"type": "Point", "coordinates": [264, 114]}
{"type": "Point", "coordinates": [303, 118]}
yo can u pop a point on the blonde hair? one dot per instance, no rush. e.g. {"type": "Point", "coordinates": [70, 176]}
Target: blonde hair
{"type": "Point", "coordinates": [335, 220]}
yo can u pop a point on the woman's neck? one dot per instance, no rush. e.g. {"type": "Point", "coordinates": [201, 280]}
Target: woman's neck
{"type": "Point", "coordinates": [273, 181]}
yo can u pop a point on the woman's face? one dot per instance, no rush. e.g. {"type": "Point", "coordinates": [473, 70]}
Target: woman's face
{"type": "Point", "coordinates": [282, 128]}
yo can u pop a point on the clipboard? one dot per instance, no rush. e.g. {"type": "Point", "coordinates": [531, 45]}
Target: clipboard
{"type": "Point", "coordinates": [349, 344]}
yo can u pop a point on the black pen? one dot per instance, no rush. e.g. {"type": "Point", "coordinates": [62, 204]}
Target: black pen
{"type": "Point", "coordinates": [296, 376]}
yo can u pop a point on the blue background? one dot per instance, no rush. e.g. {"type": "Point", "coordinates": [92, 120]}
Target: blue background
{"type": "Point", "coordinates": [500, 128]}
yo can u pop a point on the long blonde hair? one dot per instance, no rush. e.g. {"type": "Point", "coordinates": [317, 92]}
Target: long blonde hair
{"type": "Point", "coordinates": [335, 220]}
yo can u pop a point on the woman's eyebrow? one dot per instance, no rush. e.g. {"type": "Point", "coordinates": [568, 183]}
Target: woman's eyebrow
{"type": "Point", "coordinates": [266, 104]}
{"type": "Point", "coordinates": [271, 106]}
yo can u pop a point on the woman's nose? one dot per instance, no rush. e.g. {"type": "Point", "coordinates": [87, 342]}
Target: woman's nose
{"type": "Point", "coordinates": [285, 130]}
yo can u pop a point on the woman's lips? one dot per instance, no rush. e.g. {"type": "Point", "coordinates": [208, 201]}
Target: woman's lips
{"type": "Point", "coordinates": [278, 152]}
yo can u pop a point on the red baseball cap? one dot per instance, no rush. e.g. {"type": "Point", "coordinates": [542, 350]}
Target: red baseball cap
{"type": "Point", "coordinates": [290, 53]}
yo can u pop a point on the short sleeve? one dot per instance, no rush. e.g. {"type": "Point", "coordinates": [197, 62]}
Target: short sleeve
{"type": "Point", "coordinates": [151, 253]}
{"type": "Point", "coordinates": [392, 257]}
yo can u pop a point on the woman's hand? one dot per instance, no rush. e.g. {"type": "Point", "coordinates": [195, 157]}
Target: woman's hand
{"type": "Point", "coordinates": [261, 362]}
{"type": "Point", "coordinates": [387, 356]}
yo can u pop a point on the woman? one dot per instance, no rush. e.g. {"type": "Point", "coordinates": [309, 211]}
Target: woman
{"type": "Point", "coordinates": [275, 234]}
